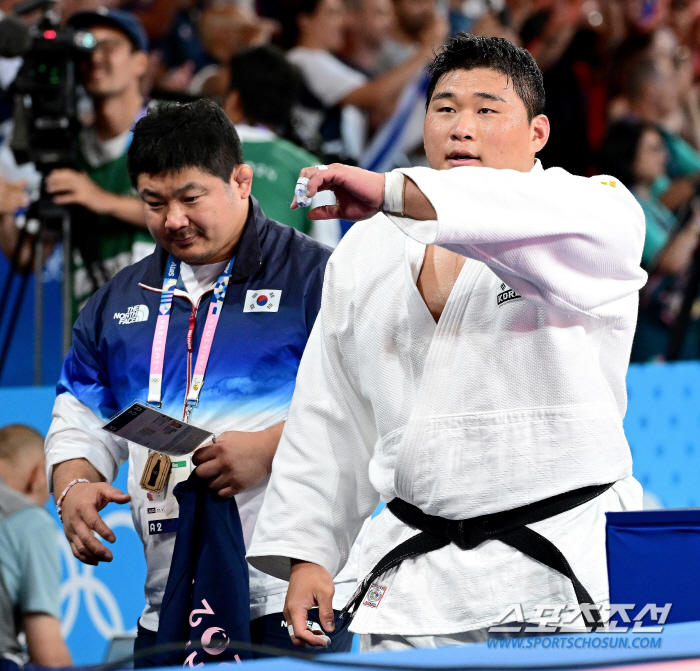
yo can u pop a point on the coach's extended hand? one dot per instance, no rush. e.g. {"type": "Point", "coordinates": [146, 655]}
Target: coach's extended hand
{"type": "Point", "coordinates": [81, 509]}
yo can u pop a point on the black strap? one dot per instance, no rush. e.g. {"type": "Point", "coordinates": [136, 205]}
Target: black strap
{"type": "Point", "coordinates": [507, 526]}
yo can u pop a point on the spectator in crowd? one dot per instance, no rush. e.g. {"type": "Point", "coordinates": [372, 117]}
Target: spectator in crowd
{"type": "Point", "coordinates": [684, 118]}
{"type": "Point", "coordinates": [416, 22]}
{"type": "Point", "coordinates": [369, 25]}
{"type": "Point", "coordinates": [636, 153]}
{"type": "Point", "coordinates": [226, 29]}
{"type": "Point", "coordinates": [264, 86]}
{"type": "Point", "coordinates": [109, 225]}
{"type": "Point", "coordinates": [171, 26]}
{"type": "Point", "coordinates": [651, 96]}
{"type": "Point", "coordinates": [30, 567]}
{"type": "Point", "coordinates": [330, 116]}
{"type": "Point", "coordinates": [109, 228]}
{"type": "Point", "coordinates": [560, 37]}
{"type": "Point", "coordinates": [418, 29]}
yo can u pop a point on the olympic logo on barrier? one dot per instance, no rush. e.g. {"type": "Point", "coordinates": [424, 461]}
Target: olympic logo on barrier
{"type": "Point", "coordinates": [81, 580]}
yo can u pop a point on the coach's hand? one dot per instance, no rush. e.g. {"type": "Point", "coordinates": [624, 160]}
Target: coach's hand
{"type": "Point", "coordinates": [310, 585]}
{"type": "Point", "coordinates": [359, 193]}
{"type": "Point", "coordinates": [81, 518]}
{"type": "Point", "coordinates": [237, 460]}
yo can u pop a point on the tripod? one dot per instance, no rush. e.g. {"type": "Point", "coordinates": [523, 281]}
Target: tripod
{"type": "Point", "coordinates": [49, 220]}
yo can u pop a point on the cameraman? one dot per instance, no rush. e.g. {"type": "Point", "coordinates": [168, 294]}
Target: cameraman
{"type": "Point", "coordinates": [109, 229]}
{"type": "Point", "coordinates": [109, 226]}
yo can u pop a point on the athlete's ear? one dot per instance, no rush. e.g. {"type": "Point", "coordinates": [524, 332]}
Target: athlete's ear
{"type": "Point", "coordinates": [242, 180]}
{"type": "Point", "coordinates": [539, 132]}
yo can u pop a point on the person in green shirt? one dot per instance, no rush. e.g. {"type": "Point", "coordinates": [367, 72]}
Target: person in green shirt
{"type": "Point", "coordinates": [109, 229]}
{"type": "Point", "coordinates": [264, 87]}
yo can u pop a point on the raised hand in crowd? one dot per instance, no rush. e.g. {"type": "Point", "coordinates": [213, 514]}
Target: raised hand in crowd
{"type": "Point", "coordinates": [565, 19]}
{"type": "Point", "coordinates": [677, 255]}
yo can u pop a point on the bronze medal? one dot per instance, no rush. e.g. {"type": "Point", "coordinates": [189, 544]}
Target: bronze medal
{"type": "Point", "coordinates": [156, 472]}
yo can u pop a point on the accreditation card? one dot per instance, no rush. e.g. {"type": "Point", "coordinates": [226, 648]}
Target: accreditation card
{"type": "Point", "coordinates": [162, 509]}
{"type": "Point", "coordinates": [150, 428]}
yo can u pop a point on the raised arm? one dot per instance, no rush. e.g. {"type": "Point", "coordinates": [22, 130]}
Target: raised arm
{"type": "Point", "coordinates": [569, 242]}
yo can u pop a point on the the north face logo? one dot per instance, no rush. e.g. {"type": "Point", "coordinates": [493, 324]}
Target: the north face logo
{"type": "Point", "coordinates": [506, 295]}
{"type": "Point", "coordinates": [136, 313]}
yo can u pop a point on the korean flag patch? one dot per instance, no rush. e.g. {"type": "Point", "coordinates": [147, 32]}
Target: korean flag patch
{"type": "Point", "coordinates": [262, 300]}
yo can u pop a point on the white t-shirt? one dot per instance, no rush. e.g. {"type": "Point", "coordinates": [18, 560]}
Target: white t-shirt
{"type": "Point", "coordinates": [200, 279]}
{"type": "Point", "coordinates": [328, 78]}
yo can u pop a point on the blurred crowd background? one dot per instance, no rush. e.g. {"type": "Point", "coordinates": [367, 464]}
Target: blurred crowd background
{"type": "Point", "coordinates": [310, 81]}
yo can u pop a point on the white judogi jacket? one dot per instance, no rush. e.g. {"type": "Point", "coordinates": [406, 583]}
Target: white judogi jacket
{"type": "Point", "coordinates": [515, 395]}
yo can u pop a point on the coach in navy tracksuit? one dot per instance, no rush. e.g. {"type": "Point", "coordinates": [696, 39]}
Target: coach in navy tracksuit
{"type": "Point", "coordinates": [223, 268]}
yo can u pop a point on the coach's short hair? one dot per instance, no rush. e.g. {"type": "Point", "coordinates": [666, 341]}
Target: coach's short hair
{"type": "Point", "coordinates": [467, 52]}
{"type": "Point", "coordinates": [174, 137]}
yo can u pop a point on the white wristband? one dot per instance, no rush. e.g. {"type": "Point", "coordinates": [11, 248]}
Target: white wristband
{"type": "Point", "coordinates": [394, 193]}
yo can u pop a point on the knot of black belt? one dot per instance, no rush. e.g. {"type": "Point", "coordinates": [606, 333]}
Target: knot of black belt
{"type": "Point", "coordinates": [509, 527]}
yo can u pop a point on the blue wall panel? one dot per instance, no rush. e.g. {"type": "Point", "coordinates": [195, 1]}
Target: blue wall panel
{"type": "Point", "coordinates": [663, 430]}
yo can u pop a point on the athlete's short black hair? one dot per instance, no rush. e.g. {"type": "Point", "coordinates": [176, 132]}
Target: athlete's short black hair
{"type": "Point", "coordinates": [268, 85]}
{"type": "Point", "coordinates": [173, 137]}
{"type": "Point", "coordinates": [467, 52]}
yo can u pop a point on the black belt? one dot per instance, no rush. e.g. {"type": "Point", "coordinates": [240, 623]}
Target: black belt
{"type": "Point", "coordinates": [508, 526]}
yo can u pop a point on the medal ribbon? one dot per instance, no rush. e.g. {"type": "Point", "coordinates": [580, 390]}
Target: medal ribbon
{"type": "Point", "coordinates": [172, 273]}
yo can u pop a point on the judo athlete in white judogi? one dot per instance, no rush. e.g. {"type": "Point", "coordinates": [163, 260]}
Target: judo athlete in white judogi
{"type": "Point", "coordinates": [467, 367]}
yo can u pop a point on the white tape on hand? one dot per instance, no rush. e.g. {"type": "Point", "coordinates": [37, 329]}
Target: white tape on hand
{"type": "Point", "coordinates": [316, 630]}
{"type": "Point", "coordinates": [300, 192]}
{"type": "Point", "coordinates": [326, 641]}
